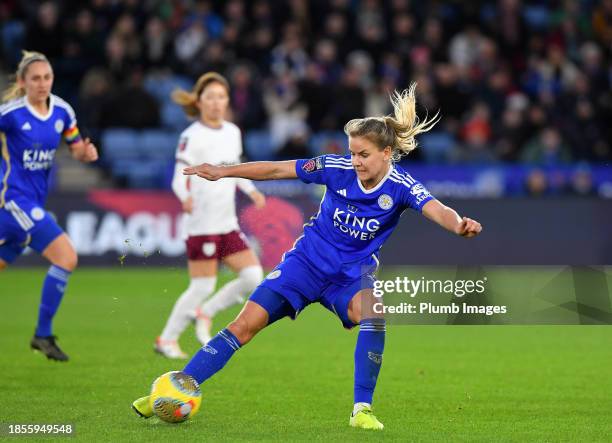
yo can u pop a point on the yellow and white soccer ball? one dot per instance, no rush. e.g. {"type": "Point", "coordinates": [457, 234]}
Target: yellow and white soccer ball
{"type": "Point", "coordinates": [175, 397]}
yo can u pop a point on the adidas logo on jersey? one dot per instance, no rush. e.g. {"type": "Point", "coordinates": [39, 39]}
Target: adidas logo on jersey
{"type": "Point", "coordinates": [342, 192]}
{"type": "Point", "coordinates": [26, 126]}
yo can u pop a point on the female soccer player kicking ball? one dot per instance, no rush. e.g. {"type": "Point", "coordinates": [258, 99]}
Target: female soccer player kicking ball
{"type": "Point", "coordinates": [333, 262]}
{"type": "Point", "coordinates": [32, 123]}
{"type": "Point", "coordinates": [210, 208]}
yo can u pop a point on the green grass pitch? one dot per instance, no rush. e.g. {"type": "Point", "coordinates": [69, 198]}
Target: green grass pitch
{"type": "Point", "coordinates": [294, 381]}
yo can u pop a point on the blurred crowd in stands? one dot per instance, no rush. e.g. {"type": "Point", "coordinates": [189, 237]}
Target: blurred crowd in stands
{"type": "Point", "coordinates": [515, 81]}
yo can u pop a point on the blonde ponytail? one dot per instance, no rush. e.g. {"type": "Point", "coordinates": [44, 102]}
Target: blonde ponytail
{"type": "Point", "coordinates": [405, 122]}
{"type": "Point", "coordinates": [397, 131]}
{"type": "Point", "coordinates": [14, 90]}
{"type": "Point", "coordinates": [188, 100]}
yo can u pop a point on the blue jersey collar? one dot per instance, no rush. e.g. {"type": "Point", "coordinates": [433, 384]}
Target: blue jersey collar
{"type": "Point", "coordinates": [38, 115]}
{"type": "Point", "coordinates": [380, 183]}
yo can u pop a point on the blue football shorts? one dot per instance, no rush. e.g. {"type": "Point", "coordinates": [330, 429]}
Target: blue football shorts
{"type": "Point", "coordinates": [295, 284]}
{"type": "Point", "coordinates": [23, 224]}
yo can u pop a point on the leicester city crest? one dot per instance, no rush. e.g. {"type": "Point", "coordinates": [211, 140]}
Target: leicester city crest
{"type": "Point", "coordinates": [59, 126]}
{"type": "Point", "coordinates": [37, 213]}
{"type": "Point", "coordinates": [385, 201]}
{"type": "Point", "coordinates": [274, 274]}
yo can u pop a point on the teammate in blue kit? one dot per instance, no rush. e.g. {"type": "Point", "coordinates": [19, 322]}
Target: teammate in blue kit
{"type": "Point", "coordinates": [334, 260]}
{"type": "Point", "coordinates": [32, 124]}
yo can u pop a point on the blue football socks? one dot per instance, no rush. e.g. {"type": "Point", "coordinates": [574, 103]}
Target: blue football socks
{"type": "Point", "coordinates": [212, 357]}
{"type": "Point", "coordinates": [53, 290]}
{"type": "Point", "coordinates": [368, 358]}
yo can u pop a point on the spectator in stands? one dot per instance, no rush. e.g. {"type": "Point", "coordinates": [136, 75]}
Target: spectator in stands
{"type": "Point", "coordinates": [45, 33]}
{"type": "Point", "coordinates": [296, 146]}
{"type": "Point", "coordinates": [602, 22]}
{"type": "Point", "coordinates": [289, 56]}
{"type": "Point", "coordinates": [316, 96]}
{"type": "Point", "coordinates": [204, 14]}
{"type": "Point", "coordinates": [581, 182]}
{"type": "Point", "coordinates": [258, 48]}
{"type": "Point", "coordinates": [88, 42]}
{"type": "Point", "coordinates": [95, 91]}
{"type": "Point", "coordinates": [536, 183]}
{"type": "Point", "coordinates": [131, 106]}
{"type": "Point", "coordinates": [287, 115]}
{"type": "Point", "coordinates": [458, 52]}
{"type": "Point", "coordinates": [546, 149]}
{"type": "Point", "coordinates": [326, 59]}
{"type": "Point", "coordinates": [157, 51]}
{"type": "Point", "coordinates": [349, 98]}
{"type": "Point", "coordinates": [189, 42]}
{"type": "Point", "coordinates": [452, 96]}
{"type": "Point", "coordinates": [511, 134]}
{"type": "Point", "coordinates": [337, 30]}
{"type": "Point", "coordinates": [247, 104]}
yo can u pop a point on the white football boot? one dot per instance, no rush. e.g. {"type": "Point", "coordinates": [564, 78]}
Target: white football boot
{"type": "Point", "coordinates": [169, 349]}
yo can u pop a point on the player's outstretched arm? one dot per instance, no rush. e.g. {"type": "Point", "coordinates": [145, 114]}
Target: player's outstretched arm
{"type": "Point", "coordinates": [450, 220]}
{"type": "Point", "coordinates": [251, 170]}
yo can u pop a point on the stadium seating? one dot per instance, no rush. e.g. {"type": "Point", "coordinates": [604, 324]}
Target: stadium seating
{"type": "Point", "coordinates": [258, 145]}
{"type": "Point", "coordinates": [157, 144]}
{"type": "Point", "coordinates": [140, 159]}
{"type": "Point", "coordinates": [161, 87]}
{"type": "Point", "coordinates": [173, 117]}
{"type": "Point", "coordinates": [329, 142]}
{"type": "Point", "coordinates": [119, 144]}
{"type": "Point", "coordinates": [437, 146]}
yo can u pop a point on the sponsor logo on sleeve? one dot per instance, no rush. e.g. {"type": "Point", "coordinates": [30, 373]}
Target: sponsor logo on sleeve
{"type": "Point", "coordinates": [419, 191]}
{"type": "Point", "coordinates": [312, 165]}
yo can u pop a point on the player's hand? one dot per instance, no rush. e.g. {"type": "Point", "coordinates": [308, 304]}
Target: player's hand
{"type": "Point", "coordinates": [188, 205]}
{"type": "Point", "coordinates": [89, 151]}
{"type": "Point", "coordinates": [258, 199]}
{"type": "Point", "coordinates": [205, 170]}
{"type": "Point", "coordinates": [468, 228]}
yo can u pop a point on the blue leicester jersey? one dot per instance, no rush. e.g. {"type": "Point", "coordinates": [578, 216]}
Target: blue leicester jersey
{"type": "Point", "coordinates": [29, 142]}
{"type": "Point", "coordinates": [353, 222]}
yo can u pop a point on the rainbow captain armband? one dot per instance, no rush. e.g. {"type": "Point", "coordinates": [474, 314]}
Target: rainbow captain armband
{"type": "Point", "coordinates": [72, 135]}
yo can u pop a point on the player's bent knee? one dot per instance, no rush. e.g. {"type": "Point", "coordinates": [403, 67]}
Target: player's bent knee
{"type": "Point", "coordinates": [364, 306]}
{"type": "Point", "coordinates": [249, 322]}
{"type": "Point", "coordinates": [68, 262]}
{"type": "Point", "coordinates": [60, 252]}
{"type": "Point", "coordinates": [3, 265]}
{"type": "Point", "coordinates": [241, 330]}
